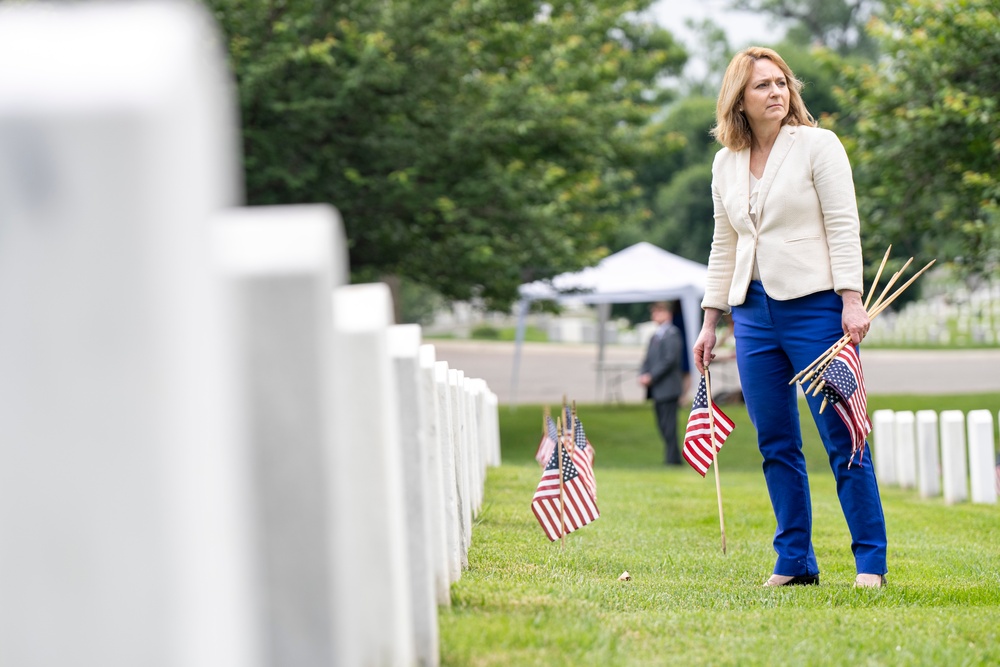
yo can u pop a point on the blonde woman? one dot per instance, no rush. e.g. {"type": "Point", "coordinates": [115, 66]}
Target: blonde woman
{"type": "Point", "coordinates": [786, 262]}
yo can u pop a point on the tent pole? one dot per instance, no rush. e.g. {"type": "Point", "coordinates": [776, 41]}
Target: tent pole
{"type": "Point", "coordinates": [603, 311]}
{"type": "Point", "coordinates": [522, 314]}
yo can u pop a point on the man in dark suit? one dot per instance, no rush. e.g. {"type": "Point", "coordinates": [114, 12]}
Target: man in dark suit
{"type": "Point", "coordinates": [661, 375]}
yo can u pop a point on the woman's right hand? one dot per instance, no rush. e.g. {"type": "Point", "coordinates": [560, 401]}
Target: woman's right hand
{"type": "Point", "coordinates": [705, 345]}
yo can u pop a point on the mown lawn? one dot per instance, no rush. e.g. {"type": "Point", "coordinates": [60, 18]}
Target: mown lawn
{"type": "Point", "coordinates": [525, 601]}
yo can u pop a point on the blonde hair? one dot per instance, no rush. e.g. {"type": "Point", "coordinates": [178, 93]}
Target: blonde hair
{"type": "Point", "coordinates": [731, 127]}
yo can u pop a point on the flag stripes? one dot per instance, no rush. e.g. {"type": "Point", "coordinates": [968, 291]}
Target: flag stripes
{"type": "Point", "coordinates": [548, 442]}
{"type": "Point", "coordinates": [699, 451]}
{"type": "Point", "coordinates": [583, 456]}
{"type": "Point", "coordinates": [845, 390]}
{"type": "Point", "coordinates": [578, 506]}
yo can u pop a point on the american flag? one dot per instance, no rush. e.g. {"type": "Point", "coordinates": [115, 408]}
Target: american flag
{"type": "Point", "coordinates": [699, 451]}
{"type": "Point", "coordinates": [845, 391]}
{"type": "Point", "coordinates": [548, 442]}
{"type": "Point", "coordinates": [583, 456]}
{"type": "Point", "coordinates": [580, 507]}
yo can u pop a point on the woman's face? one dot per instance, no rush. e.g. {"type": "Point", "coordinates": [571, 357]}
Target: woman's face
{"type": "Point", "coordinates": [765, 98]}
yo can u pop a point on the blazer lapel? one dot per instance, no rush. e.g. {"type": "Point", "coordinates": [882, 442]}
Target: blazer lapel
{"type": "Point", "coordinates": [782, 144]}
{"type": "Point", "coordinates": [743, 188]}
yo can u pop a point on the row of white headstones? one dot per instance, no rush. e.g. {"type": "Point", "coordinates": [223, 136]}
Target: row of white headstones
{"type": "Point", "coordinates": [938, 455]}
{"type": "Point", "coordinates": [975, 317]}
{"type": "Point", "coordinates": [213, 452]}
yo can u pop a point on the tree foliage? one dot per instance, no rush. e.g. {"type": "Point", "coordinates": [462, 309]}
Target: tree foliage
{"type": "Point", "coordinates": [835, 24]}
{"type": "Point", "coordinates": [925, 123]}
{"type": "Point", "coordinates": [469, 145]}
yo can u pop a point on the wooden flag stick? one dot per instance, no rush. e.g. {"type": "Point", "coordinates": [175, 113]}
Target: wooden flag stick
{"type": "Point", "coordinates": [715, 446]}
{"type": "Point", "coordinates": [896, 294]}
{"type": "Point", "coordinates": [892, 281]}
{"type": "Point", "coordinates": [808, 368]}
{"type": "Point", "coordinates": [816, 368]}
{"type": "Point", "coordinates": [819, 365]}
{"type": "Point", "coordinates": [877, 276]}
{"type": "Point", "coordinates": [562, 492]}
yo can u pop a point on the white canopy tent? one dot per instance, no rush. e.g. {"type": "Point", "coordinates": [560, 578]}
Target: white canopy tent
{"type": "Point", "coordinates": [637, 274]}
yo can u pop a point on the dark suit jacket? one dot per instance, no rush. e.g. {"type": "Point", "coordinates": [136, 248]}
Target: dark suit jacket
{"type": "Point", "coordinates": [663, 363]}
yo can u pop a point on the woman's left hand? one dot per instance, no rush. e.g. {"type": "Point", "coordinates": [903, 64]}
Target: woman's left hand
{"type": "Point", "coordinates": [855, 320]}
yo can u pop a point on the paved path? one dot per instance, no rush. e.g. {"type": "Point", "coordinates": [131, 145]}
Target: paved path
{"type": "Point", "coordinates": [548, 371]}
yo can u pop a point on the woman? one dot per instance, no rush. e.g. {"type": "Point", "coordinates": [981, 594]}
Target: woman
{"type": "Point", "coordinates": [786, 261]}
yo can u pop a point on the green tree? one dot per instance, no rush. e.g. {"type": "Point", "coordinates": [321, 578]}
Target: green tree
{"type": "Point", "coordinates": [926, 133]}
{"type": "Point", "coordinates": [835, 24]}
{"type": "Point", "coordinates": [468, 145]}
{"type": "Point", "coordinates": [678, 182]}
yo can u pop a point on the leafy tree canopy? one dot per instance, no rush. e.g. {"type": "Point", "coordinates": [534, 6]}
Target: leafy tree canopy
{"type": "Point", "coordinates": [835, 24]}
{"type": "Point", "coordinates": [469, 145]}
{"type": "Point", "coordinates": [924, 129]}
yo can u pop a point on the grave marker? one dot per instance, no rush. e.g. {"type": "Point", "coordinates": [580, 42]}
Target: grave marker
{"type": "Point", "coordinates": [281, 263]}
{"type": "Point", "coordinates": [928, 463]}
{"type": "Point", "coordinates": [125, 522]}
{"type": "Point", "coordinates": [982, 470]}
{"type": "Point", "coordinates": [953, 458]}
{"type": "Point", "coordinates": [906, 450]}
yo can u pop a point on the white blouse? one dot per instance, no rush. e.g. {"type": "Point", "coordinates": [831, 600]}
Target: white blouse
{"type": "Point", "coordinates": [754, 193]}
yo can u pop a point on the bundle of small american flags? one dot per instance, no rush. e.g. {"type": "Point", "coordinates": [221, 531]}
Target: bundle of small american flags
{"type": "Point", "coordinates": [566, 496]}
{"type": "Point", "coordinates": [837, 372]}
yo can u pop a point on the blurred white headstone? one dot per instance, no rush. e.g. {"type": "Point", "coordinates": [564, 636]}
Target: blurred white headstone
{"type": "Point", "coordinates": [928, 462]}
{"type": "Point", "coordinates": [281, 263]}
{"type": "Point", "coordinates": [982, 457]}
{"type": "Point", "coordinates": [435, 476]}
{"type": "Point", "coordinates": [472, 446]}
{"type": "Point", "coordinates": [453, 517]}
{"type": "Point", "coordinates": [953, 460]}
{"type": "Point", "coordinates": [125, 525]}
{"type": "Point", "coordinates": [493, 427]}
{"type": "Point", "coordinates": [373, 624]}
{"type": "Point", "coordinates": [884, 426]}
{"type": "Point", "coordinates": [906, 450]}
{"type": "Point", "coordinates": [404, 348]}
{"type": "Point", "coordinates": [456, 384]}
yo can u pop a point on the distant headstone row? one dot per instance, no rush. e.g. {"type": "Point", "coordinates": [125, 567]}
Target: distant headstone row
{"type": "Point", "coordinates": [212, 451]}
{"type": "Point", "coordinates": [949, 454]}
{"type": "Point", "coordinates": [956, 316]}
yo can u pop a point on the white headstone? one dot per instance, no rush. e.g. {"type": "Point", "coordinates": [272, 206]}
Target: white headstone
{"type": "Point", "coordinates": [404, 348]}
{"type": "Point", "coordinates": [373, 624]}
{"type": "Point", "coordinates": [473, 448]}
{"type": "Point", "coordinates": [494, 427]}
{"type": "Point", "coordinates": [435, 477]}
{"type": "Point", "coordinates": [906, 450]}
{"type": "Point", "coordinates": [459, 425]}
{"type": "Point", "coordinates": [884, 454]}
{"type": "Point", "coordinates": [953, 461]}
{"type": "Point", "coordinates": [982, 457]}
{"type": "Point", "coordinates": [928, 462]}
{"type": "Point", "coordinates": [281, 263]}
{"type": "Point", "coordinates": [125, 524]}
{"type": "Point", "coordinates": [453, 518]}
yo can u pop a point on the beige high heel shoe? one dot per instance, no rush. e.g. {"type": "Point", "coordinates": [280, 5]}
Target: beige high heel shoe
{"type": "Point", "coordinates": [870, 581]}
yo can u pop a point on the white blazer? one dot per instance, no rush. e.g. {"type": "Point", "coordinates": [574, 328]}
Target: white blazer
{"type": "Point", "coordinates": [808, 236]}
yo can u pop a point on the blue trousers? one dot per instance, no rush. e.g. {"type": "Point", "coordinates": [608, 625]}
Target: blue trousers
{"type": "Point", "coordinates": [775, 340]}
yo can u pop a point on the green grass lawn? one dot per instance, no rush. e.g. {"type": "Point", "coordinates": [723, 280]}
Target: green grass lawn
{"type": "Point", "coordinates": [526, 601]}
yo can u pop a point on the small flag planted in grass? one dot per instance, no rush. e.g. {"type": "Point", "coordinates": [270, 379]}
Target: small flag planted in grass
{"type": "Point", "coordinates": [699, 451]}
{"type": "Point", "coordinates": [562, 503]}
{"type": "Point", "coordinates": [548, 443]}
{"type": "Point", "coordinates": [583, 457]}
